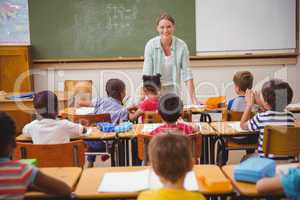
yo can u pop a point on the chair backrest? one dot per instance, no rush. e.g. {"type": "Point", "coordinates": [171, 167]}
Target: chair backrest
{"type": "Point", "coordinates": [281, 140]}
{"type": "Point", "coordinates": [144, 139]}
{"type": "Point", "coordinates": [154, 117]}
{"type": "Point", "coordinates": [77, 90]}
{"type": "Point", "coordinates": [91, 119]}
{"type": "Point", "coordinates": [53, 155]}
{"type": "Point", "coordinates": [233, 115]}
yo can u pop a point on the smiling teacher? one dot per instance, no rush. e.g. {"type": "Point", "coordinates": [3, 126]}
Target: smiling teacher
{"type": "Point", "coordinates": [169, 56]}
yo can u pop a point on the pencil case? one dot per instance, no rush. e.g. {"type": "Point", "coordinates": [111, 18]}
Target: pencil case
{"type": "Point", "coordinates": [253, 169]}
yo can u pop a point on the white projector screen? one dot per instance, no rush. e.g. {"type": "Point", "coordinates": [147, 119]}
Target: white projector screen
{"type": "Point", "coordinates": [233, 26]}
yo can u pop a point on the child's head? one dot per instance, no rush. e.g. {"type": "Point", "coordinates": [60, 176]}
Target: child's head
{"type": "Point", "coordinates": [170, 155]}
{"type": "Point", "coordinates": [242, 80]}
{"type": "Point", "coordinates": [151, 84]}
{"type": "Point", "coordinates": [115, 88]}
{"type": "Point", "coordinates": [46, 104]}
{"type": "Point", "coordinates": [7, 135]}
{"type": "Point", "coordinates": [277, 94]}
{"type": "Point", "coordinates": [170, 107]}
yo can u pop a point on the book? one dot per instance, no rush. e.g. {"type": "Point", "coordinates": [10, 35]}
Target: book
{"type": "Point", "coordinates": [139, 180]}
{"type": "Point", "coordinates": [284, 168]}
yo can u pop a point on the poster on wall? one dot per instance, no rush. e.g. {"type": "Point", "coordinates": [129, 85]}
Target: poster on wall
{"type": "Point", "coordinates": [14, 22]}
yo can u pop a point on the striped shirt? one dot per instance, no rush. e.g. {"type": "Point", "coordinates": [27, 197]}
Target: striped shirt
{"type": "Point", "coordinates": [269, 118]}
{"type": "Point", "coordinates": [15, 177]}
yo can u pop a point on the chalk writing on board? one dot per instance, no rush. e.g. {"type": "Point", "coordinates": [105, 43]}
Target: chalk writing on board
{"type": "Point", "coordinates": [14, 24]}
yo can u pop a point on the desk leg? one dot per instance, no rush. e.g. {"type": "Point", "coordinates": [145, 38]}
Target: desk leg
{"type": "Point", "coordinates": [212, 142]}
{"type": "Point", "coordinates": [204, 156]}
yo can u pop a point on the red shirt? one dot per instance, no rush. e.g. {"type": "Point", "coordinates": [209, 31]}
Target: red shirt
{"type": "Point", "coordinates": [150, 104]}
{"type": "Point", "coordinates": [187, 129]}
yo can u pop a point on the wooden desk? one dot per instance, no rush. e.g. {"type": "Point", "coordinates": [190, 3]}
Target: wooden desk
{"type": "Point", "coordinates": [224, 129]}
{"type": "Point", "coordinates": [243, 188]}
{"type": "Point", "coordinates": [69, 175]}
{"type": "Point", "coordinates": [22, 110]}
{"type": "Point", "coordinates": [91, 179]}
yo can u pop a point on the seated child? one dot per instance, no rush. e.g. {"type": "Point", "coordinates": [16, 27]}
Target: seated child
{"type": "Point", "coordinates": [170, 108]}
{"type": "Point", "coordinates": [277, 94]}
{"type": "Point", "coordinates": [47, 129]}
{"type": "Point", "coordinates": [112, 104]}
{"type": "Point", "coordinates": [16, 177]}
{"type": "Point", "coordinates": [171, 158]}
{"type": "Point", "coordinates": [287, 183]}
{"type": "Point", "coordinates": [151, 88]}
{"type": "Point", "coordinates": [242, 80]}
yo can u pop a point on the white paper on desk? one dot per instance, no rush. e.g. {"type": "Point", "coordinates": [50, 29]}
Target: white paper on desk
{"type": "Point", "coordinates": [150, 127]}
{"type": "Point", "coordinates": [236, 126]}
{"type": "Point", "coordinates": [139, 180]}
{"type": "Point", "coordinates": [194, 106]}
{"type": "Point", "coordinates": [294, 105]}
{"type": "Point", "coordinates": [284, 168]}
{"type": "Point", "coordinates": [85, 111]}
{"type": "Point", "coordinates": [124, 181]}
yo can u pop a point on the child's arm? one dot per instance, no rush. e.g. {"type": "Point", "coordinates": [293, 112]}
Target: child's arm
{"type": "Point", "coordinates": [269, 185]}
{"type": "Point", "coordinates": [51, 185]}
{"type": "Point", "coordinates": [258, 101]}
{"type": "Point", "coordinates": [247, 113]}
{"type": "Point", "coordinates": [134, 115]}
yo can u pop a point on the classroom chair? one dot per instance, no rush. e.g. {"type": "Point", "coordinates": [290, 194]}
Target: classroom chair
{"type": "Point", "coordinates": [90, 119]}
{"type": "Point", "coordinates": [78, 92]}
{"type": "Point", "coordinates": [228, 145]}
{"type": "Point", "coordinates": [144, 139]}
{"type": "Point", "coordinates": [281, 140]}
{"type": "Point", "coordinates": [52, 155]}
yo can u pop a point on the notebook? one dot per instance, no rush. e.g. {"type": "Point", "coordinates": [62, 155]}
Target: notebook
{"type": "Point", "coordinates": [150, 127]}
{"type": "Point", "coordinates": [139, 180]}
{"type": "Point", "coordinates": [236, 126]}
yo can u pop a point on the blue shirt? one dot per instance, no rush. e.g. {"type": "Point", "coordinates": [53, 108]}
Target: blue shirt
{"type": "Point", "coordinates": [237, 104]}
{"type": "Point", "coordinates": [291, 183]}
{"type": "Point", "coordinates": [112, 106]}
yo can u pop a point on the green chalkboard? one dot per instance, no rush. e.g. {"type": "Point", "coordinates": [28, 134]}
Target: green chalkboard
{"type": "Point", "coordinates": [71, 29]}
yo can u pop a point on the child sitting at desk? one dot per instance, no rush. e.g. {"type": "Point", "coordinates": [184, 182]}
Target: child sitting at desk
{"type": "Point", "coordinates": [170, 108]}
{"type": "Point", "coordinates": [242, 80]}
{"type": "Point", "coordinates": [288, 183]}
{"type": "Point", "coordinates": [16, 177]}
{"type": "Point", "coordinates": [171, 158]}
{"type": "Point", "coordinates": [277, 94]}
{"type": "Point", "coordinates": [151, 88]}
{"type": "Point", "coordinates": [47, 129]}
{"type": "Point", "coordinates": [112, 104]}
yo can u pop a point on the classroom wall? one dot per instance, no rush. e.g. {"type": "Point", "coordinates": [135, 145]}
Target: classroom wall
{"type": "Point", "coordinates": [209, 81]}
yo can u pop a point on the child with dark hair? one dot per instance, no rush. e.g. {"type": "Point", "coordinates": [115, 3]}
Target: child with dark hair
{"type": "Point", "coordinates": [170, 109]}
{"type": "Point", "coordinates": [171, 158]}
{"type": "Point", "coordinates": [277, 94]}
{"type": "Point", "coordinates": [112, 104]}
{"type": "Point", "coordinates": [47, 129]}
{"type": "Point", "coordinates": [16, 177]}
{"type": "Point", "coordinates": [151, 88]}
